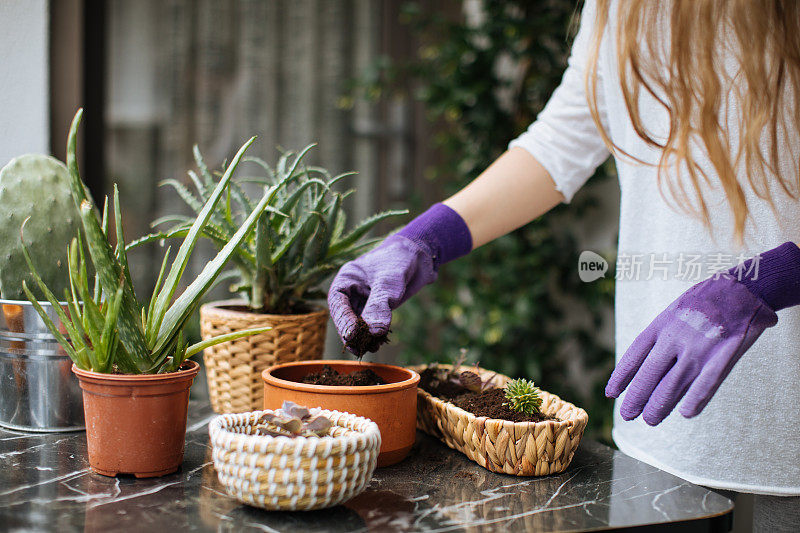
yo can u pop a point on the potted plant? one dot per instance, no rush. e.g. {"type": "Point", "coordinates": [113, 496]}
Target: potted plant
{"type": "Point", "coordinates": [299, 241]}
{"type": "Point", "coordinates": [504, 425]}
{"type": "Point", "coordinates": [385, 394]}
{"type": "Point", "coordinates": [294, 458]}
{"type": "Point", "coordinates": [37, 391]}
{"type": "Point", "coordinates": [132, 360]}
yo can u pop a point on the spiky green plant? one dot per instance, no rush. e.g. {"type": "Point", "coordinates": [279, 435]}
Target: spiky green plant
{"type": "Point", "coordinates": [299, 241]}
{"type": "Point", "coordinates": [107, 329]}
{"type": "Point", "coordinates": [523, 396]}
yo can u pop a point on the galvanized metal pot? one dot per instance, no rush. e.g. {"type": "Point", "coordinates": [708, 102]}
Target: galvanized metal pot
{"type": "Point", "coordinates": [37, 389]}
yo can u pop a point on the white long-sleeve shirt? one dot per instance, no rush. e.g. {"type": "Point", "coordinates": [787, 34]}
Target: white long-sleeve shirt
{"type": "Point", "coordinates": [748, 437]}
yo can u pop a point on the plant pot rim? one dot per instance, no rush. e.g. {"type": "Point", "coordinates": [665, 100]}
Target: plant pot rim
{"type": "Point", "coordinates": [218, 308]}
{"type": "Point", "coordinates": [411, 381]}
{"type": "Point", "coordinates": [137, 379]}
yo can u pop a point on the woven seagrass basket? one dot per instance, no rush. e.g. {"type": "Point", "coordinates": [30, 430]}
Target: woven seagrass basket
{"type": "Point", "coordinates": [518, 448]}
{"type": "Point", "coordinates": [302, 473]}
{"type": "Point", "coordinates": [234, 368]}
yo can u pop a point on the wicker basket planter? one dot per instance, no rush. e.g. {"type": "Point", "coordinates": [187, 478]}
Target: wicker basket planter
{"type": "Point", "coordinates": [518, 448]}
{"type": "Point", "coordinates": [302, 473]}
{"type": "Point", "coordinates": [234, 368]}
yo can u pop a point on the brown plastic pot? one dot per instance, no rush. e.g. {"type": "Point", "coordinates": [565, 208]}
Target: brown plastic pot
{"type": "Point", "coordinates": [136, 424]}
{"type": "Point", "coordinates": [392, 406]}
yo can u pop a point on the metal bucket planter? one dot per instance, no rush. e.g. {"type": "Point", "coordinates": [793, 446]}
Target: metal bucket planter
{"type": "Point", "coordinates": [37, 389]}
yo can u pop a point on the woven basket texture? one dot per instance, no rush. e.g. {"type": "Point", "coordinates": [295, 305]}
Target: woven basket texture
{"type": "Point", "coordinates": [518, 448]}
{"type": "Point", "coordinates": [234, 368]}
{"type": "Point", "coordinates": [302, 473]}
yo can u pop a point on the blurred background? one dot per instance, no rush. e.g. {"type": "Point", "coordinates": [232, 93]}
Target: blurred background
{"type": "Point", "coordinates": [418, 97]}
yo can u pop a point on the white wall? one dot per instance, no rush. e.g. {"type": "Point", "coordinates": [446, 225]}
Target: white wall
{"type": "Point", "coordinates": [24, 101]}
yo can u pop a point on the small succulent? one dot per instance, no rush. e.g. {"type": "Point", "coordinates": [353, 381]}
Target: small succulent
{"type": "Point", "coordinates": [523, 396]}
{"type": "Point", "coordinates": [293, 420]}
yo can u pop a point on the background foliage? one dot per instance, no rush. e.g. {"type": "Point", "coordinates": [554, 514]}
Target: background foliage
{"type": "Point", "coordinates": [517, 304]}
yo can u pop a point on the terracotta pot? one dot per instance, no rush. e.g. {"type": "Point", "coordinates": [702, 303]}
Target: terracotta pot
{"type": "Point", "coordinates": [234, 368]}
{"type": "Point", "coordinates": [136, 424]}
{"type": "Point", "coordinates": [392, 406]}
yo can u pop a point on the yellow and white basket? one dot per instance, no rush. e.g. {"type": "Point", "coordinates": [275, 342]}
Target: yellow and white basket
{"type": "Point", "coordinates": [301, 473]}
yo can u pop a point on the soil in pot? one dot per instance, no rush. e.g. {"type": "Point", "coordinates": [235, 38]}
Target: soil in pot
{"type": "Point", "coordinates": [363, 341]}
{"type": "Point", "coordinates": [329, 376]}
{"type": "Point", "coordinates": [489, 403]}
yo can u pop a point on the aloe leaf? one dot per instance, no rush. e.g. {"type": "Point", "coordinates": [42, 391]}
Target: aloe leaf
{"type": "Point", "coordinates": [243, 256]}
{"type": "Point", "coordinates": [362, 229]}
{"type": "Point", "coordinates": [120, 249]}
{"type": "Point", "coordinates": [289, 203]}
{"type": "Point", "coordinates": [339, 224]}
{"type": "Point", "coordinates": [262, 235]}
{"type": "Point", "coordinates": [198, 185]}
{"type": "Point", "coordinates": [92, 324]}
{"type": "Point", "coordinates": [108, 331]}
{"type": "Point", "coordinates": [240, 196]}
{"type": "Point", "coordinates": [264, 165]}
{"type": "Point", "coordinates": [200, 346]}
{"type": "Point", "coordinates": [300, 157]}
{"type": "Point", "coordinates": [343, 175]}
{"type": "Point", "coordinates": [156, 288]}
{"type": "Point", "coordinates": [170, 219]}
{"type": "Point", "coordinates": [176, 315]}
{"type": "Point", "coordinates": [145, 239]}
{"type": "Point", "coordinates": [82, 359]}
{"type": "Point", "coordinates": [185, 194]}
{"type": "Point", "coordinates": [107, 266]}
{"type": "Point", "coordinates": [201, 164]}
{"type": "Point", "coordinates": [354, 251]}
{"type": "Point", "coordinates": [103, 258]}
{"type": "Point", "coordinates": [182, 257]}
{"type": "Point", "coordinates": [291, 238]}
{"type": "Point", "coordinates": [62, 341]}
{"type": "Point", "coordinates": [312, 277]}
{"type": "Point", "coordinates": [316, 244]}
{"type": "Point", "coordinates": [48, 294]}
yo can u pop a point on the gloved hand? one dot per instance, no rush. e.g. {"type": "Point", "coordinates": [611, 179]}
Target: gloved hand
{"type": "Point", "coordinates": [373, 285]}
{"type": "Point", "coordinates": [691, 347]}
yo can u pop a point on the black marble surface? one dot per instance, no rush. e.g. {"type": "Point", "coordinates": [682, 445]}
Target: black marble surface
{"type": "Point", "coordinates": [45, 485]}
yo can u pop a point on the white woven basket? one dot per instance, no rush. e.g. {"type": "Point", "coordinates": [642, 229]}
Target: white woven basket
{"type": "Point", "coordinates": [302, 473]}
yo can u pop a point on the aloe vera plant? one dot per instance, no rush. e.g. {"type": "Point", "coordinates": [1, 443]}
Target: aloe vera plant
{"type": "Point", "coordinates": [300, 238]}
{"type": "Point", "coordinates": [107, 329]}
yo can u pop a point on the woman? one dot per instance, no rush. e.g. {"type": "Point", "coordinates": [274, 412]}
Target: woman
{"type": "Point", "coordinates": [698, 102]}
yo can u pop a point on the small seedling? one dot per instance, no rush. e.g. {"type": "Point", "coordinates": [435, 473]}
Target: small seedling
{"type": "Point", "coordinates": [293, 420]}
{"type": "Point", "coordinates": [523, 396]}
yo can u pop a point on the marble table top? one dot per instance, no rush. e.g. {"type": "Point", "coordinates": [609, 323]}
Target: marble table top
{"type": "Point", "coordinates": [45, 484]}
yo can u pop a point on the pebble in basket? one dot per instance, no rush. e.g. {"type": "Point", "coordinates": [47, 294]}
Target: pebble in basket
{"type": "Point", "coordinates": [301, 239]}
{"type": "Point", "coordinates": [294, 458]}
{"type": "Point", "coordinates": [504, 425]}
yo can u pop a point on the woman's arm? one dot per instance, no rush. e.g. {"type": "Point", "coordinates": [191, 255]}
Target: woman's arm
{"type": "Point", "coordinates": [514, 190]}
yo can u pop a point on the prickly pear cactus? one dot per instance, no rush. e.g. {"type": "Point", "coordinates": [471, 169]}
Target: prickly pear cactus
{"type": "Point", "coordinates": [35, 186]}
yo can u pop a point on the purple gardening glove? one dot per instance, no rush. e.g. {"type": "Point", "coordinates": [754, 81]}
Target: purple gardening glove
{"type": "Point", "coordinates": [375, 284]}
{"type": "Point", "coordinates": [691, 347]}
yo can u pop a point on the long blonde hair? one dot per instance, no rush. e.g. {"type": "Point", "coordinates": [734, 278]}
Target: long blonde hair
{"type": "Point", "coordinates": [675, 50]}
